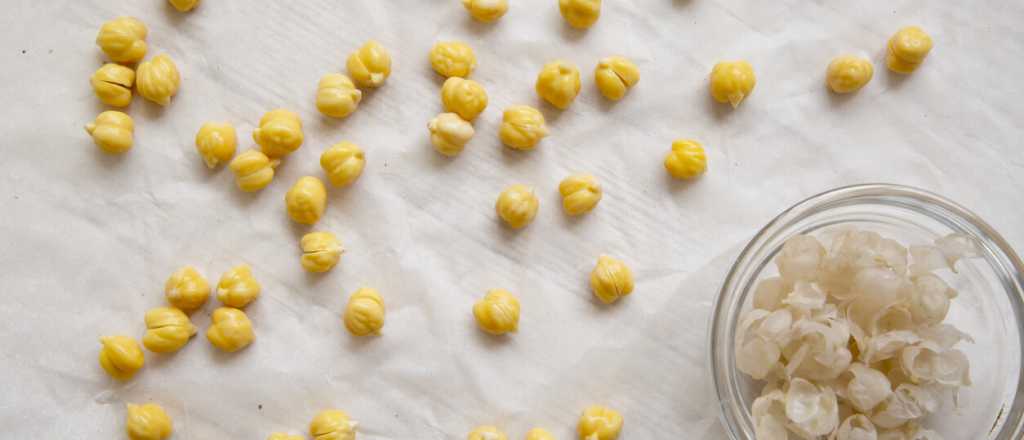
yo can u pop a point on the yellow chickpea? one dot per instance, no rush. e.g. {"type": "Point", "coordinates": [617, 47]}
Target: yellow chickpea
{"type": "Point", "coordinates": [184, 5]}
{"type": "Point", "coordinates": [186, 289]}
{"type": "Point", "coordinates": [253, 170]}
{"type": "Point", "coordinates": [237, 287]}
{"type": "Point", "coordinates": [285, 436]}
{"type": "Point", "coordinates": [522, 127]}
{"type": "Point", "coordinates": [611, 279]}
{"type": "Point", "coordinates": [364, 314]}
{"type": "Point", "coordinates": [230, 329]}
{"type": "Point", "coordinates": [147, 422]}
{"type": "Point", "coordinates": [687, 159]}
{"type": "Point", "coordinates": [306, 200]}
{"type": "Point", "coordinates": [486, 11]}
{"type": "Point", "coordinates": [580, 14]}
{"type": "Point", "coordinates": [279, 133]}
{"type": "Point", "coordinates": [112, 84]}
{"type": "Point", "coordinates": [908, 49]}
{"type": "Point", "coordinates": [343, 163]}
{"type": "Point", "coordinates": [321, 251]}
{"type": "Point", "coordinates": [337, 96]}
{"type": "Point", "coordinates": [580, 193]}
{"type": "Point", "coordinates": [614, 76]}
{"type": "Point", "coordinates": [517, 205]}
{"type": "Point", "coordinates": [121, 357]}
{"type": "Point", "coordinates": [452, 58]}
{"type": "Point", "coordinates": [558, 83]}
{"type": "Point", "coordinates": [123, 39]}
{"type": "Point", "coordinates": [370, 65]}
{"type": "Point", "coordinates": [498, 312]}
{"type": "Point", "coordinates": [449, 133]}
{"type": "Point", "coordinates": [216, 142]}
{"type": "Point", "coordinates": [158, 79]}
{"type": "Point", "coordinates": [848, 73]}
{"type": "Point", "coordinates": [167, 330]}
{"type": "Point", "coordinates": [539, 434]}
{"type": "Point", "coordinates": [464, 97]}
{"type": "Point", "coordinates": [332, 424]}
{"type": "Point", "coordinates": [599, 423]}
{"type": "Point", "coordinates": [732, 81]}
{"type": "Point", "coordinates": [112, 131]}
{"type": "Point", "coordinates": [487, 432]}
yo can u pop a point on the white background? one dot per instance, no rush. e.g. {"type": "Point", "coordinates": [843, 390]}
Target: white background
{"type": "Point", "coordinates": [87, 240]}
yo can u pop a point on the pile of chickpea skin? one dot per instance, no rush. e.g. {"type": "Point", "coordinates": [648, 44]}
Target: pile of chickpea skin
{"type": "Point", "coordinates": [279, 133]}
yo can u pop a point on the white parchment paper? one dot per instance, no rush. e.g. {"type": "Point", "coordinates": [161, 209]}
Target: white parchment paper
{"type": "Point", "coordinates": [87, 240]}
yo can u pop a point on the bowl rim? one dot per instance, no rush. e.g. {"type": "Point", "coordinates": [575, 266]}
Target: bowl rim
{"type": "Point", "coordinates": [951, 213]}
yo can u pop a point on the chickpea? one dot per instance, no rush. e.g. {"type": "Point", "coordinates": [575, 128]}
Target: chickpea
{"type": "Point", "coordinates": [580, 14]}
{"type": "Point", "coordinates": [186, 289]}
{"type": "Point", "coordinates": [216, 142]}
{"type": "Point", "coordinates": [332, 424]}
{"type": "Point", "coordinates": [370, 65]}
{"type": "Point", "coordinates": [237, 287]}
{"type": "Point", "coordinates": [687, 159]}
{"type": "Point", "coordinates": [364, 314]}
{"type": "Point", "coordinates": [464, 97]}
{"type": "Point", "coordinates": [230, 329]}
{"type": "Point", "coordinates": [487, 433]}
{"type": "Point", "coordinates": [121, 357]}
{"type": "Point", "coordinates": [908, 49]}
{"type": "Point", "coordinates": [112, 131]}
{"type": "Point", "coordinates": [253, 170]}
{"type": "Point", "coordinates": [123, 39]}
{"type": "Point", "coordinates": [847, 74]}
{"type": "Point", "coordinates": [320, 251]}
{"type": "Point", "coordinates": [611, 279]}
{"type": "Point", "coordinates": [343, 163]}
{"type": "Point", "coordinates": [449, 133]}
{"type": "Point", "coordinates": [157, 79]}
{"type": "Point", "coordinates": [615, 76]}
{"type": "Point", "coordinates": [167, 330]}
{"type": "Point", "coordinates": [279, 133]}
{"type": "Point", "coordinates": [306, 200]}
{"type": "Point", "coordinates": [337, 96]}
{"type": "Point", "coordinates": [147, 422]}
{"type": "Point", "coordinates": [558, 83]}
{"type": "Point", "coordinates": [498, 312]}
{"type": "Point", "coordinates": [517, 206]}
{"type": "Point", "coordinates": [486, 11]}
{"type": "Point", "coordinates": [580, 193]}
{"type": "Point", "coordinates": [184, 5]}
{"type": "Point", "coordinates": [732, 81]}
{"type": "Point", "coordinates": [452, 58]}
{"type": "Point", "coordinates": [599, 423]}
{"type": "Point", "coordinates": [112, 84]}
{"type": "Point", "coordinates": [522, 127]}
{"type": "Point", "coordinates": [539, 434]}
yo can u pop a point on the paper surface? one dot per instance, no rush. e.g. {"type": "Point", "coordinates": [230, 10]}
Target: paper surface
{"type": "Point", "coordinates": [88, 239]}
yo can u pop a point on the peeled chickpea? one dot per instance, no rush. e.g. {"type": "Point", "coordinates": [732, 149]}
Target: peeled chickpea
{"type": "Point", "coordinates": [580, 14]}
{"type": "Point", "coordinates": [253, 170]}
{"type": "Point", "coordinates": [487, 433]}
{"type": "Point", "coordinates": [848, 73]}
{"type": "Point", "coordinates": [517, 206]}
{"type": "Point", "coordinates": [112, 84]}
{"type": "Point", "coordinates": [337, 96]}
{"type": "Point", "coordinates": [184, 5]}
{"type": "Point", "coordinates": [580, 193]}
{"type": "Point", "coordinates": [343, 163]}
{"type": "Point", "coordinates": [498, 312]}
{"type": "Point", "coordinates": [452, 58]}
{"type": "Point", "coordinates": [908, 49]}
{"type": "Point", "coordinates": [522, 127]}
{"type": "Point", "coordinates": [112, 131]}
{"type": "Point", "coordinates": [285, 436]}
{"type": "Point", "coordinates": [123, 39]}
{"type": "Point", "coordinates": [464, 97]}
{"type": "Point", "coordinates": [216, 142]}
{"type": "Point", "coordinates": [332, 424]}
{"type": "Point", "coordinates": [449, 133]}
{"type": "Point", "coordinates": [237, 287]}
{"type": "Point", "coordinates": [230, 329]}
{"type": "Point", "coordinates": [186, 289]}
{"type": "Point", "coordinates": [599, 423]}
{"type": "Point", "coordinates": [364, 314]}
{"type": "Point", "coordinates": [320, 251]}
{"type": "Point", "coordinates": [558, 83]}
{"type": "Point", "coordinates": [121, 357]}
{"type": "Point", "coordinates": [686, 160]}
{"type": "Point", "coordinates": [486, 10]}
{"type": "Point", "coordinates": [157, 79]}
{"type": "Point", "coordinates": [279, 133]}
{"type": "Point", "coordinates": [147, 422]}
{"type": "Point", "coordinates": [306, 200]}
{"type": "Point", "coordinates": [370, 65]}
{"type": "Point", "coordinates": [731, 81]}
{"type": "Point", "coordinates": [611, 279]}
{"type": "Point", "coordinates": [615, 76]}
{"type": "Point", "coordinates": [539, 434]}
{"type": "Point", "coordinates": [167, 330]}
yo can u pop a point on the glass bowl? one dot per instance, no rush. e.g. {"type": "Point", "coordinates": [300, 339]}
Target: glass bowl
{"type": "Point", "coordinates": [990, 306]}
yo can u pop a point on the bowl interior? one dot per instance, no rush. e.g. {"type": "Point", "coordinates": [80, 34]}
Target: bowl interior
{"type": "Point", "coordinates": [988, 306]}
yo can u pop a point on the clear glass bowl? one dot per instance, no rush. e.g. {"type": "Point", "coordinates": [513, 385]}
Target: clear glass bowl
{"type": "Point", "coordinates": [990, 306]}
